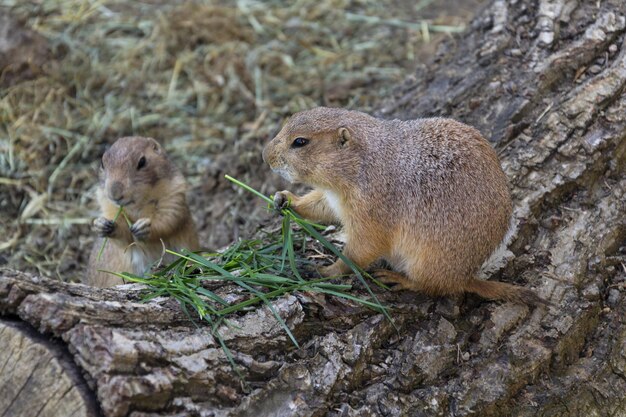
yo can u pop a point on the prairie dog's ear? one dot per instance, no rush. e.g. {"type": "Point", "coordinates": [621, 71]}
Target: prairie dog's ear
{"type": "Point", "coordinates": [344, 136]}
{"type": "Point", "coordinates": [155, 145]}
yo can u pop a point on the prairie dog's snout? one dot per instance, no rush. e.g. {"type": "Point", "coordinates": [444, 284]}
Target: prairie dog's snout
{"type": "Point", "coordinates": [116, 180]}
{"type": "Point", "coordinates": [266, 154]}
{"type": "Point", "coordinates": [276, 154]}
{"type": "Point", "coordinates": [115, 191]}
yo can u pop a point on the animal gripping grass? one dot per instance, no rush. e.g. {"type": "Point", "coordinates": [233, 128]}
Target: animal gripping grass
{"type": "Point", "coordinates": [106, 239]}
{"type": "Point", "coordinates": [310, 228]}
{"type": "Point", "coordinates": [257, 266]}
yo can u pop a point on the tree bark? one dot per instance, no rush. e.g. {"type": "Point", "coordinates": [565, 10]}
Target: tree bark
{"type": "Point", "coordinates": [544, 81]}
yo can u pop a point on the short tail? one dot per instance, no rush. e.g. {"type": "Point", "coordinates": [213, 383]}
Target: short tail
{"type": "Point", "coordinates": [495, 290]}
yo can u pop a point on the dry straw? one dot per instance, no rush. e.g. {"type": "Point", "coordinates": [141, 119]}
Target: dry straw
{"type": "Point", "coordinates": [210, 81]}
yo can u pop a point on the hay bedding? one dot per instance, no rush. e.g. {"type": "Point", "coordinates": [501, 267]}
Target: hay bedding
{"type": "Point", "coordinates": [211, 80]}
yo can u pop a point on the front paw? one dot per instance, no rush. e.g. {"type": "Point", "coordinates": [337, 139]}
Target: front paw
{"type": "Point", "coordinates": [141, 229]}
{"type": "Point", "coordinates": [103, 227]}
{"type": "Point", "coordinates": [282, 200]}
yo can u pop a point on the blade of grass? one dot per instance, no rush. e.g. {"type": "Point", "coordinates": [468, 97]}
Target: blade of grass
{"type": "Point", "coordinates": [227, 352]}
{"type": "Point", "coordinates": [210, 294]}
{"type": "Point", "coordinates": [288, 246]}
{"type": "Point", "coordinates": [255, 300]}
{"type": "Point", "coordinates": [369, 304]}
{"type": "Point", "coordinates": [248, 188]}
{"type": "Point", "coordinates": [286, 232]}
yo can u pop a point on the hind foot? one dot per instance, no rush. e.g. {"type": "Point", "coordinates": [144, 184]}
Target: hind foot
{"type": "Point", "coordinates": [391, 277]}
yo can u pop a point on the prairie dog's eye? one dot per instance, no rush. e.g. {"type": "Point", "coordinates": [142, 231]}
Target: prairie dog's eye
{"type": "Point", "coordinates": [142, 162]}
{"type": "Point", "coordinates": [299, 142]}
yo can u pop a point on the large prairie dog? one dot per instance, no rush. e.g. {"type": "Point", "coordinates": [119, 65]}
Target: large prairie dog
{"type": "Point", "coordinates": [137, 174]}
{"type": "Point", "coordinates": [427, 195]}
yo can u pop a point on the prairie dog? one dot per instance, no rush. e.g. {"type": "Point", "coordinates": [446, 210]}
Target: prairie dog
{"type": "Point", "coordinates": [137, 174]}
{"type": "Point", "coordinates": [427, 195]}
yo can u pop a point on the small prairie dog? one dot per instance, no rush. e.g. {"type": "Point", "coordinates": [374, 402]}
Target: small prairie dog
{"type": "Point", "coordinates": [137, 174]}
{"type": "Point", "coordinates": [427, 195]}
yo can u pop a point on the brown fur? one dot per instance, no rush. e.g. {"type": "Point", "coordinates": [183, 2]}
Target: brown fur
{"type": "Point", "coordinates": [427, 195]}
{"type": "Point", "coordinates": [154, 201]}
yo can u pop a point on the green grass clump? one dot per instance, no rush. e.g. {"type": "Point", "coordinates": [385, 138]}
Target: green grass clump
{"type": "Point", "coordinates": [264, 269]}
{"type": "Point", "coordinates": [289, 217]}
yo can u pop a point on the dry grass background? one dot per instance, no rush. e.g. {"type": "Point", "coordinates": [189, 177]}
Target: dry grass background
{"type": "Point", "coordinates": [211, 80]}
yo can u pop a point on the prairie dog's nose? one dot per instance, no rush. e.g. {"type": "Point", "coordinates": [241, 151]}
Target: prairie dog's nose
{"type": "Point", "coordinates": [116, 191]}
{"type": "Point", "coordinates": [265, 153]}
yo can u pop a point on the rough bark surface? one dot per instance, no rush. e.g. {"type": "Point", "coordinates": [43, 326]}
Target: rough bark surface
{"type": "Point", "coordinates": [544, 81]}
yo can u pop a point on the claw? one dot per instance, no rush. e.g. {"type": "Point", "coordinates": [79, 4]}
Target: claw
{"type": "Point", "coordinates": [281, 201]}
{"type": "Point", "coordinates": [103, 227]}
{"type": "Point", "coordinates": [141, 229]}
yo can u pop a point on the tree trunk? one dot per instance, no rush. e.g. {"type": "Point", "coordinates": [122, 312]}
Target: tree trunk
{"type": "Point", "coordinates": [544, 81]}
